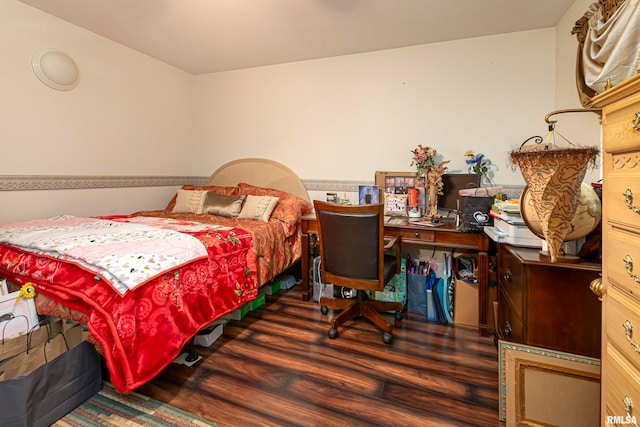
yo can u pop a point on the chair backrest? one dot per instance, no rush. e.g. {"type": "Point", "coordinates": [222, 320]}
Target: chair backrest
{"type": "Point", "coordinates": [351, 244]}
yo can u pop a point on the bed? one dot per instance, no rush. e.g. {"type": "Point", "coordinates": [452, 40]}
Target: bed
{"type": "Point", "coordinates": [142, 323]}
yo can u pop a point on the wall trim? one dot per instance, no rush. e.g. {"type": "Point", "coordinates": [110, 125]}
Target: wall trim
{"type": "Point", "coordinates": [77, 182]}
{"type": "Point", "coordinates": [83, 182]}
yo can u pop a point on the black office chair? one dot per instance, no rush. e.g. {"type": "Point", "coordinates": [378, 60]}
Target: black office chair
{"type": "Point", "coordinates": [353, 255]}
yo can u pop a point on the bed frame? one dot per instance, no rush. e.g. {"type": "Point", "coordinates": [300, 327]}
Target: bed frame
{"type": "Point", "coordinates": [259, 172]}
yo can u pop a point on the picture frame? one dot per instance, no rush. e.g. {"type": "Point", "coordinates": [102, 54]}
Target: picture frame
{"type": "Point", "coordinates": [368, 195]}
{"type": "Point", "coordinates": [24, 315]}
{"type": "Point", "coordinates": [540, 386]}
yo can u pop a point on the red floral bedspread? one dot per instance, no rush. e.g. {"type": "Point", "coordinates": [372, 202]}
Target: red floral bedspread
{"type": "Point", "coordinates": [146, 329]}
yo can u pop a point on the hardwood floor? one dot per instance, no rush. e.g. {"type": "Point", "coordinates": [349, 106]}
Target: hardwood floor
{"type": "Point", "coordinates": [277, 367]}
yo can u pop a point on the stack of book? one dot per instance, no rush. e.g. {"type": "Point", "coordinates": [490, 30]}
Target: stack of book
{"type": "Point", "coordinates": [509, 226]}
{"type": "Point", "coordinates": [508, 211]}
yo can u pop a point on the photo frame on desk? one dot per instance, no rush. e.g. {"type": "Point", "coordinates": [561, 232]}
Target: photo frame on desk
{"type": "Point", "coordinates": [369, 194]}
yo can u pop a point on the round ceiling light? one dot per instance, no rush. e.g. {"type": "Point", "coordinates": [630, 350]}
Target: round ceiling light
{"type": "Point", "coordinates": [55, 69]}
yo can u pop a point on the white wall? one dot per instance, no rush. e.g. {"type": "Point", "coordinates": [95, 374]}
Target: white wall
{"type": "Point", "coordinates": [579, 128]}
{"type": "Point", "coordinates": [129, 115]}
{"type": "Point", "coordinates": [338, 118]}
{"type": "Point", "coordinates": [345, 117]}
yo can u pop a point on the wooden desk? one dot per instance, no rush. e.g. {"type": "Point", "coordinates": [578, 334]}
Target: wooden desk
{"type": "Point", "coordinates": [446, 236]}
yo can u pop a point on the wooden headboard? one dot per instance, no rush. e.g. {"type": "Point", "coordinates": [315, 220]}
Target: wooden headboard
{"type": "Point", "coordinates": [259, 172]}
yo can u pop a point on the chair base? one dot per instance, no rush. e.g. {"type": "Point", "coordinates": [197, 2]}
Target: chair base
{"type": "Point", "coordinates": [359, 307]}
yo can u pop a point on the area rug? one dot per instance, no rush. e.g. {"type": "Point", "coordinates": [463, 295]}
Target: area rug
{"type": "Point", "coordinates": [110, 408]}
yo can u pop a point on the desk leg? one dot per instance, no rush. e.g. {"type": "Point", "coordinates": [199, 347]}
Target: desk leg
{"type": "Point", "coordinates": [305, 267]}
{"type": "Point", "coordinates": [483, 292]}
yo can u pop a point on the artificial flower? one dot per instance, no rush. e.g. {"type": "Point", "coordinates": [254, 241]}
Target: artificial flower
{"type": "Point", "coordinates": [424, 157]}
{"type": "Point", "coordinates": [477, 163]}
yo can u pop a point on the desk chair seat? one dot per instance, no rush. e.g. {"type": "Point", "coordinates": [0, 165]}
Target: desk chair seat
{"type": "Point", "coordinates": [353, 254]}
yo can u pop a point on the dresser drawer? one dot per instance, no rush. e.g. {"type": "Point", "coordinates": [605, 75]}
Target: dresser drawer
{"type": "Point", "coordinates": [623, 260]}
{"type": "Point", "coordinates": [622, 193]}
{"type": "Point", "coordinates": [623, 325]}
{"type": "Point", "coordinates": [620, 385]}
{"type": "Point", "coordinates": [618, 125]}
{"type": "Point", "coordinates": [510, 276]}
{"type": "Point", "coordinates": [510, 325]}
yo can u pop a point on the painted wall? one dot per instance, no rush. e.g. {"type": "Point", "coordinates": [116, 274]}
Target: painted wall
{"type": "Point", "coordinates": [579, 128]}
{"type": "Point", "coordinates": [346, 117]}
{"type": "Point", "coordinates": [336, 118]}
{"type": "Point", "coordinates": [129, 115]}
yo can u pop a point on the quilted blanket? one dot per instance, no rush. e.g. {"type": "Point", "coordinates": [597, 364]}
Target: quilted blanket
{"type": "Point", "coordinates": [126, 254]}
{"type": "Point", "coordinates": [143, 330]}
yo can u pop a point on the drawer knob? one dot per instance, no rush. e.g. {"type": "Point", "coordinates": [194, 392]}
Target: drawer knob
{"type": "Point", "coordinates": [597, 288]}
{"type": "Point", "coordinates": [635, 122]}
{"type": "Point", "coordinates": [508, 330]}
{"type": "Point", "coordinates": [628, 330]}
{"type": "Point", "coordinates": [628, 265]}
{"type": "Point", "coordinates": [417, 235]}
{"type": "Point", "coordinates": [628, 200]}
{"type": "Point", "coordinates": [507, 275]}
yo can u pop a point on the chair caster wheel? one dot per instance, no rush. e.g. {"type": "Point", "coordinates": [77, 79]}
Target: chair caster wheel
{"type": "Point", "coordinates": [333, 333]}
{"type": "Point", "coordinates": [324, 309]}
{"type": "Point", "coordinates": [398, 315]}
{"type": "Point", "coordinates": [387, 337]}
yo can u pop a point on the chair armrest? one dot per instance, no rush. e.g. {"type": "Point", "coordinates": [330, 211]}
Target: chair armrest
{"type": "Point", "coordinates": [390, 242]}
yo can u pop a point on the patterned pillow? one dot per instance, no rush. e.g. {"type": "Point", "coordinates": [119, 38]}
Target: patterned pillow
{"type": "Point", "coordinates": [289, 209]}
{"type": "Point", "coordinates": [258, 207]}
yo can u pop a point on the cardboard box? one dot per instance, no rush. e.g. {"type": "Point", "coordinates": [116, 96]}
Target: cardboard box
{"type": "Point", "coordinates": [465, 306]}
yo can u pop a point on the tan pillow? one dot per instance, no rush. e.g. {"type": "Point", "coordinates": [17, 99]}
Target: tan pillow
{"type": "Point", "coordinates": [258, 207]}
{"type": "Point", "coordinates": [222, 205]}
{"type": "Point", "coordinates": [189, 201]}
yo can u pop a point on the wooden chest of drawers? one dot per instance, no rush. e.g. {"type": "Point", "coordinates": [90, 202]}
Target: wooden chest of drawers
{"type": "Point", "coordinates": [621, 250]}
{"type": "Point", "coordinates": [547, 305]}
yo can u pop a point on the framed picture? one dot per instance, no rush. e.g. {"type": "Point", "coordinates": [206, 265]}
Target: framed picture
{"type": "Point", "coordinates": [368, 195]}
{"type": "Point", "coordinates": [540, 386]}
{"type": "Point", "coordinates": [22, 315]}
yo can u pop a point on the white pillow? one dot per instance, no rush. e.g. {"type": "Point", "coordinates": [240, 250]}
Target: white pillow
{"type": "Point", "coordinates": [189, 201]}
{"type": "Point", "coordinates": [258, 207]}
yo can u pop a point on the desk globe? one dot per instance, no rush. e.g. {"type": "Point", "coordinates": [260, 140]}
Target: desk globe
{"type": "Point", "coordinates": [585, 220]}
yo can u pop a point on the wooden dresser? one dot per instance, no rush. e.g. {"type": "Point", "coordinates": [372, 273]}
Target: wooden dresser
{"type": "Point", "coordinates": [620, 392]}
{"type": "Point", "coordinates": [546, 304]}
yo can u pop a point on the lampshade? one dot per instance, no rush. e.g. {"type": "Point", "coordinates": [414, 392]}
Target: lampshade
{"type": "Point", "coordinates": [55, 69]}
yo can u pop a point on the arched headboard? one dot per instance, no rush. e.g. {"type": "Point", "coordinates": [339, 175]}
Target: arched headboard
{"type": "Point", "coordinates": [259, 172]}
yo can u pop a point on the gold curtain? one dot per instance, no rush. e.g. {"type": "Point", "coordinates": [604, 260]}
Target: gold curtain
{"type": "Point", "coordinates": [608, 46]}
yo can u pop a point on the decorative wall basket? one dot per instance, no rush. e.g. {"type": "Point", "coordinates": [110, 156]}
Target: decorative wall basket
{"type": "Point", "coordinates": [554, 177]}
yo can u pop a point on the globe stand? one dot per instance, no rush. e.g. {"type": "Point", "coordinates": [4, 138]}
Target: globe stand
{"type": "Point", "coordinates": [561, 257]}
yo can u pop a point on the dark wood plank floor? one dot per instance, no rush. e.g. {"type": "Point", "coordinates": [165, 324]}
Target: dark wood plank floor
{"type": "Point", "coordinates": [277, 367]}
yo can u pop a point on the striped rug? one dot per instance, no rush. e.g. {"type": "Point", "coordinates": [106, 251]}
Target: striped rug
{"type": "Point", "coordinates": [109, 408]}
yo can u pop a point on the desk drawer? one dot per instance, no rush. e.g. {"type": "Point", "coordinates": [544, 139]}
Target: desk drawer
{"type": "Point", "coordinates": [412, 234]}
{"type": "Point", "coordinates": [618, 125]}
